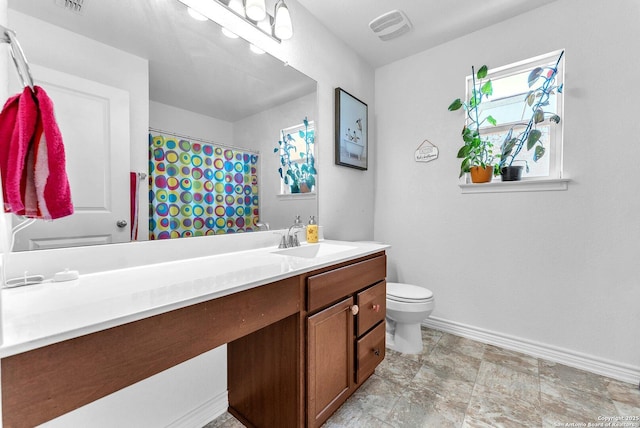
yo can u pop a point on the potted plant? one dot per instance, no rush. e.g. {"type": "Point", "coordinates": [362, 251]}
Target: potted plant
{"type": "Point", "coordinates": [541, 86]}
{"type": "Point", "coordinates": [300, 176]}
{"type": "Point", "coordinates": [477, 152]}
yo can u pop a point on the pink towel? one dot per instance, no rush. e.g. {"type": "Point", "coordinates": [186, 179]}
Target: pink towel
{"type": "Point", "coordinates": [8, 119]}
{"type": "Point", "coordinates": [35, 182]}
{"type": "Point", "coordinates": [51, 181]}
{"type": "Point", "coordinates": [21, 115]}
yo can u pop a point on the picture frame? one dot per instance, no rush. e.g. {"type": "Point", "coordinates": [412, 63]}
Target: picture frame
{"type": "Point", "coordinates": [351, 131]}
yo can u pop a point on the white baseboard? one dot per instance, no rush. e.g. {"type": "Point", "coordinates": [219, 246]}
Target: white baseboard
{"type": "Point", "coordinates": [590, 363]}
{"type": "Point", "coordinates": [204, 413]}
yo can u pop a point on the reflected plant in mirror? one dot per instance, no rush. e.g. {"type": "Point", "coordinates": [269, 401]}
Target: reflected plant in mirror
{"type": "Point", "coordinates": [297, 162]}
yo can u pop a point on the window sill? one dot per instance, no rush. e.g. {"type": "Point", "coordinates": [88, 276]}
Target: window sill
{"type": "Point", "coordinates": [296, 196]}
{"type": "Point", "coordinates": [546, 185]}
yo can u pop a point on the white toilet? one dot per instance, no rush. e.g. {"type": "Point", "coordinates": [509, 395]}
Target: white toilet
{"type": "Point", "coordinates": [407, 306]}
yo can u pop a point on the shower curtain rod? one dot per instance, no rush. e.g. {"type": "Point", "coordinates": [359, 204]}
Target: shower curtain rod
{"type": "Point", "coordinates": [202, 140]}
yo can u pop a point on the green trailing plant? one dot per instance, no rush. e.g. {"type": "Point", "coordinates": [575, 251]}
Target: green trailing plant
{"type": "Point", "coordinates": [542, 84]}
{"type": "Point", "coordinates": [300, 176]}
{"type": "Point", "coordinates": [476, 151]}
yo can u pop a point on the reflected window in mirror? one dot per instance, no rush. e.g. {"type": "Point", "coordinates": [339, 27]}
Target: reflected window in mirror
{"type": "Point", "coordinates": [297, 167]}
{"type": "Point", "coordinates": [199, 189]}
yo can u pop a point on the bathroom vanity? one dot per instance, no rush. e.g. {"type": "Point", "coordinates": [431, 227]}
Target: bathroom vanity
{"type": "Point", "coordinates": [303, 333]}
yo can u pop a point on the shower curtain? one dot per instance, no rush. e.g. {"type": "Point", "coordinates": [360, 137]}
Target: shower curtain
{"type": "Point", "coordinates": [197, 188]}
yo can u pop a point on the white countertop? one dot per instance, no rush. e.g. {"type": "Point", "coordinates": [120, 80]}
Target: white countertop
{"type": "Point", "coordinates": [39, 315]}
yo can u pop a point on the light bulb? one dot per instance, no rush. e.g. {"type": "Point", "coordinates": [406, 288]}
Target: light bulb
{"type": "Point", "coordinates": [283, 28]}
{"type": "Point", "coordinates": [255, 49]}
{"type": "Point", "coordinates": [230, 34]}
{"type": "Point", "coordinates": [196, 15]}
{"type": "Point", "coordinates": [256, 10]}
{"type": "Point", "coordinates": [237, 7]}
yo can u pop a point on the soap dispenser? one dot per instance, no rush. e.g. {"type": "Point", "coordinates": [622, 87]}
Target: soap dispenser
{"type": "Point", "coordinates": [312, 231]}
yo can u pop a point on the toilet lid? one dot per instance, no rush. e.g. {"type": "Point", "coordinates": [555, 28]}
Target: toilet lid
{"type": "Point", "coordinates": [407, 292]}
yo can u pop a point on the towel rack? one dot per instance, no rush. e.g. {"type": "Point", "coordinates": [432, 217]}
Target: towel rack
{"type": "Point", "coordinates": [17, 54]}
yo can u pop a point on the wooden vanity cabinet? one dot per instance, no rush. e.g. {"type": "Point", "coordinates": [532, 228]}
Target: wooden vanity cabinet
{"type": "Point", "coordinates": [297, 349]}
{"type": "Point", "coordinates": [345, 333]}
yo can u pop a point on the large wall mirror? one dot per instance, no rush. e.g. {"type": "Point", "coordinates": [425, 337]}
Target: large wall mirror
{"type": "Point", "coordinates": [122, 72]}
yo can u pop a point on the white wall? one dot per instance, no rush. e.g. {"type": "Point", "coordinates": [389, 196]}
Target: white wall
{"type": "Point", "coordinates": [558, 269]}
{"type": "Point", "coordinates": [173, 119]}
{"type": "Point", "coordinates": [261, 132]}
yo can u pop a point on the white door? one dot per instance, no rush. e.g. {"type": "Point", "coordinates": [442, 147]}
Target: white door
{"type": "Point", "coordinates": [94, 122]}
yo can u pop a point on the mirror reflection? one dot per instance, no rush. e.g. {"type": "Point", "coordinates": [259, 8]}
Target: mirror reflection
{"type": "Point", "coordinates": [124, 75]}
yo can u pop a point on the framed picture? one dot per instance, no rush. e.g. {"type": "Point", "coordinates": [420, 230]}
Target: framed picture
{"type": "Point", "coordinates": [351, 131]}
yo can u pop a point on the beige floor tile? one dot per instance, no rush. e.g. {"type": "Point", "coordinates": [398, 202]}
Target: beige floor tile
{"type": "Point", "coordinates": [507, 380]}
{"type": "Point", "coordinates": [398, 369]}
{"type": "Point", "coordinates": [572, 378]}
{"type": "Point", "coordinates": [573, 404]}
{"type": "Point", "coordinates": [376, 397]}
{"type": "Point", "coordinates": [515, 360]}
{"type": "Point", "coordinates": [451, 364]}
{"type": "Point", "coordinates": [462, 345]}
{"type": "Point", "coordinates": [424, 408]}
{"type": "Point", "coordinates": [490, 408]}
{"type": "Point", "coordinates": [626, 393]}
{"type": "Point", "coordinates": [456, 382]}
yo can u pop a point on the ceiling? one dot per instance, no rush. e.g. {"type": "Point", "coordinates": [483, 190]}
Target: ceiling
{"type": "Point", "coordinates": [191, 64]}
{"type": "Point", "coordinates": [221, 78]}
{"type": "Point", "coordinates": [434, 22]}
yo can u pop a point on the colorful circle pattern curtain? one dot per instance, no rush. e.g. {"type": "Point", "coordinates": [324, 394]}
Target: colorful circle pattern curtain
{"type": "Point", "coordinates": [198, 189]}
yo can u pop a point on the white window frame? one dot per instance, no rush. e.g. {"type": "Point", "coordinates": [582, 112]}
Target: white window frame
{"type": "Point", "coordinates": [555, 180]}
{"type": "Point", "coordinates": [284, 188]}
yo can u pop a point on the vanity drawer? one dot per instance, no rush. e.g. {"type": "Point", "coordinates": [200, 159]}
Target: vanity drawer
{"type": "Point", "coordinates": [328, 287]}
{"type": "Point", "coordinates": [370, 351]}
{"type": "Point", "coordinates": [373, 307]}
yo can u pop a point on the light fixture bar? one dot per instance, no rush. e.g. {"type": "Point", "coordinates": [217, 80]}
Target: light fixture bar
{"type": "Point", "coordinates": [224, 16]}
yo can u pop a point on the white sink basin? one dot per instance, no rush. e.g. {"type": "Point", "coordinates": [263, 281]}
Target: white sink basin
{"type": "Point", "coordinates": [312, 251]}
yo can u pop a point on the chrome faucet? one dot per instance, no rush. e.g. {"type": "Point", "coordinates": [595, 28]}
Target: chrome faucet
{"type": "Point", "coordinates": [292, 240]}
{"type": "Point", "coordinates": [262, 226]}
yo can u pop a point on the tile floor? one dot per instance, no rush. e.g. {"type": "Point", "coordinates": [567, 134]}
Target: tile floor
{"type": "Point", "coordinates": [457, 382]}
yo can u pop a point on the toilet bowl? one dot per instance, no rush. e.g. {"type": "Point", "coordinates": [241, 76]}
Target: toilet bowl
{"type": "Point", "coordinates": [407, 306]}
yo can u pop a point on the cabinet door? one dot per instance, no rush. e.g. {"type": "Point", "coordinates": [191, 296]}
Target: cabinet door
{"type": "Point", "coordinates": [330, 360]}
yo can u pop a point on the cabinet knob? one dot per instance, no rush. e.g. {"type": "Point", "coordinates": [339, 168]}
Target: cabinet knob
{"type": "Point", "coordinates": [376, 352]}
{"type": "Point", "coordinates": [376, 308]}
{"type": "Point", "coordinates": [355, 309]}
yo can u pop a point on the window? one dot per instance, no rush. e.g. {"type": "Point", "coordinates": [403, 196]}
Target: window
{"type": "Point", "coordinates": [297, 159]}
{"type": "Point", "coordinates": [508, 106]}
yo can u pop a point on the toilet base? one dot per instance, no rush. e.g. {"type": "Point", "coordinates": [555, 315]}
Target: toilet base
{"type": "Point", "coordinates": [406, 338]}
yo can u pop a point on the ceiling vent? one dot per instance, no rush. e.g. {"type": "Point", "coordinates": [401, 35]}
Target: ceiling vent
{"type": "Point", "coordinates": [391, 25]}
{"type": "Point", "coordinates": [71, 5]}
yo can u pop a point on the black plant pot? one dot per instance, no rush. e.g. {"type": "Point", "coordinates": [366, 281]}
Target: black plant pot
{"type": "Point", "coordinates": [511, 173]}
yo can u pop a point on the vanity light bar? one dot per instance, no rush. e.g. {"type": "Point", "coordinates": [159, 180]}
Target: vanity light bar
{"type": "Point", "coordinates": [227, 18]}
